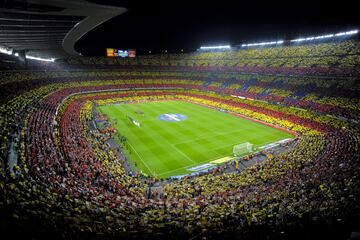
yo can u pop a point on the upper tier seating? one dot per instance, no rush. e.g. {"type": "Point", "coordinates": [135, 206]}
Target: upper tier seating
{"type": "Point", "coordinates": [67, 182]}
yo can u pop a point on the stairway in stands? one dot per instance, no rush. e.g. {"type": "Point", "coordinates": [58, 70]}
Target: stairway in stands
{"type": "Point", "coordinates": [247, 84]}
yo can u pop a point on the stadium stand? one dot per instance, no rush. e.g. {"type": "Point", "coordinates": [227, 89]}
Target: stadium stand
{"type": "Point", "coordinates": [59, 174]}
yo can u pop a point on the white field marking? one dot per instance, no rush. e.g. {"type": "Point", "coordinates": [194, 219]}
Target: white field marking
{"type": "Point", "coordinates": [141, 159]}
{"type": "Point", "coordinates": [199, 163]}
{"type": "Point", "coordinates": [182, 153]}
{"type": "Point", "coordinates": [192, 165]}
{"type": "Point", "coordinates": [210, 150]}
{"type": "Point", "coordinates": [172, 116]}
{"type": "Point", "coordinates": [209, 135]}
{"type": "Point", "coordinates": [206, 136]}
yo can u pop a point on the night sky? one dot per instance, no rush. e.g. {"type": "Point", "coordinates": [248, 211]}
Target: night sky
{"type": "Point", "coordinates": [176, 25]}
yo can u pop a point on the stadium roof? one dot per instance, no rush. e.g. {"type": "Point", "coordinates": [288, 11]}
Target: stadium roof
{"type": "Point", "coordinates": [50, 29]}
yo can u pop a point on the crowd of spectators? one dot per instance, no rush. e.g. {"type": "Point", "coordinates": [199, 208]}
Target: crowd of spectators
{"type": "Point", "coordinates": [68, 182]}
{"type": "Point", "coordinates": [316, 58]}
{"type": "Point", "coordinates": [84, 172]}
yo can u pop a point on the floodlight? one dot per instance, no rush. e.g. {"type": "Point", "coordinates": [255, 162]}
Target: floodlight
{"type": "Point", "coordinates": [298, 40]}
{"type": "Point", "coordinates": [325, 36]}
{"type": "Point", "coordinates": [6, 50]}
{"type": "Point", "coordinates": [40, 59]}
{"type": "Point", "coordinates": [351, 32]}
{"type": "Point", "coordinates": [215, 47]}
{"type": "Point", "coordinates": [262, 43]}
{"type": "Point", "coordinates": [340, 34]}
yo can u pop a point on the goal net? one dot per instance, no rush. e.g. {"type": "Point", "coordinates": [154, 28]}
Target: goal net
{"type": "Point", "coordinates": [242, 148]}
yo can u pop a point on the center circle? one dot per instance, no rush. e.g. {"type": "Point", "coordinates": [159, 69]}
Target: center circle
{"type": "Point", "coordinates": [172, 117]}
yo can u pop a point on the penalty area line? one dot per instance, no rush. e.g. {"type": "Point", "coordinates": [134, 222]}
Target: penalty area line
{"type": "Point", "coordinates": [141, 159]}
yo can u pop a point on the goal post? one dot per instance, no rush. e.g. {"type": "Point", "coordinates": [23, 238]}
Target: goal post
{"type": "Point", "coordinates": [242, 148]}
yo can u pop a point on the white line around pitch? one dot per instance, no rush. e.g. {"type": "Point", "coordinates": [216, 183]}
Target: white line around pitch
{"type": "Point", "coordinates": [141, 159]}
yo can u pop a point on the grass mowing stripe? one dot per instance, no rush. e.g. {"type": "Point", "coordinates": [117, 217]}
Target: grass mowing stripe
{"type": "Point", "coordinates": [157, 134]}
{"type": "Point", "coordinates": [170, 148]}
{"type": "Point", "coordinates": [141, 159]}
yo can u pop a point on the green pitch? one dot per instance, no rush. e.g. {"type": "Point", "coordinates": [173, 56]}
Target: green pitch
{"type": "Point", "coordinates": [164, 148]}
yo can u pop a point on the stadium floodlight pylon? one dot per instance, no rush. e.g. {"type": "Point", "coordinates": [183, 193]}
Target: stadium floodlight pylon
{"type": "Point", "coordinates": [242, 148]}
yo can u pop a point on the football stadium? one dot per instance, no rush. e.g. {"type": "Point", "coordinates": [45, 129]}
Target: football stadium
{"type": "Point", "coordinates": [241, 140]}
